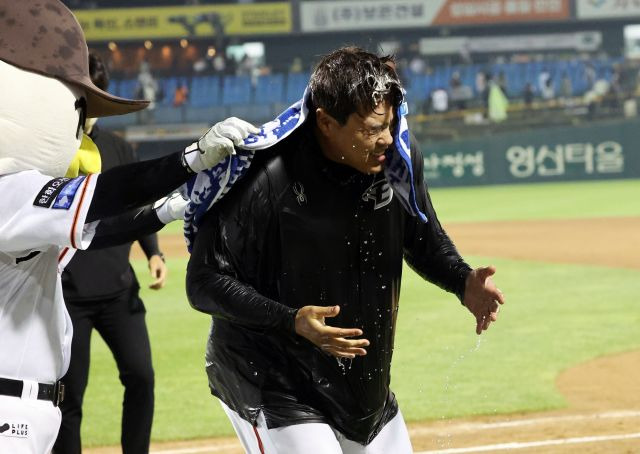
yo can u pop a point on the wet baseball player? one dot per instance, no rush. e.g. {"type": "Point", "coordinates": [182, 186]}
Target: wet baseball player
{"type": "Point", "coordinates": [300, 267]}
{"type": "Point", "coordinates": [46, 94]}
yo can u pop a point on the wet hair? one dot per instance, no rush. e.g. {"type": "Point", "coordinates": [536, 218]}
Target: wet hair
{"type": "Point", "coordinates": [98, 71]}
{"type": "Point", "coordinates": [350, 80]}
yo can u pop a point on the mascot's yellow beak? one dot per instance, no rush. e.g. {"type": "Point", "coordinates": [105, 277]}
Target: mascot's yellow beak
{"type": "Point", "coordinates": [87, 159]}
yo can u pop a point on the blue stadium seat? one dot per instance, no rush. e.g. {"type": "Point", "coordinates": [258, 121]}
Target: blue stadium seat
{"type": "Point", "coordinates": [118, 121]}
{"type": "Point", "coordinates": [208, 115]}
{"type": "Point", "coordinates": [127, 88]}
{"type": "Point", "coordinates": [169, 86]}
{"type": "Point", "coordinates": [114, 87]}
{"type": "Point", "coordinates": [253, 113]}
{"type": "Point", "coordinates": [269, 89]}
{"type": "Point", "coordinates": [165, 114]}
{"type": "Point", "coordinates": [236, 90]}
{"type": "Point", "coordinates": [205, 91]}
{"type": "Point", "coordinates": [296, 83]}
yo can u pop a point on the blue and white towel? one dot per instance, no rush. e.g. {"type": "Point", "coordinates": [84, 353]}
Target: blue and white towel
{"type": "Point", "coordinates": [209, 186]}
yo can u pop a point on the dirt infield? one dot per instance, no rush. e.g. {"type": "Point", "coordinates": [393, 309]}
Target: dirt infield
{"type": "Point", "coordinates": [611, 242]}
{"type": "Point", "coordinates": [603, 394]}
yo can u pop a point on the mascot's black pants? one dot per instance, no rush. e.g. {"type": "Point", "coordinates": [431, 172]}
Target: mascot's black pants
{"type": "Point", "coordinates": [120, 322]}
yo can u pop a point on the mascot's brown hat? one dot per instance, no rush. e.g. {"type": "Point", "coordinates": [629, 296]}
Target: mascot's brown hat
{"type": "Point", "coordinates": [43, 36]}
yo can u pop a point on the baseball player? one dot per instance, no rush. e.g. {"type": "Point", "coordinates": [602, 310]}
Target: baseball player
{"type": "Point", "coordinates": [300, 267]}
{"type": "Point", "coordinates": [46, 96]}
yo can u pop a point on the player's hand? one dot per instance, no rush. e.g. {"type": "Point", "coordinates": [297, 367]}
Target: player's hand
{"type": "Point", "coordinates": [172, 208]}
{"type": "Point", "coordinates": [482, 297]}
{"type": "Point", "coordinates": [217, 143]}
{"type": "Point", "coordinates": [158, 271]}
{"type": "Point", "coordinates": [310, 325]}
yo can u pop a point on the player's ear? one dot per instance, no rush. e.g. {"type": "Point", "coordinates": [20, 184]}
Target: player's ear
{"type": "Point", "coordinates": [325, 122]}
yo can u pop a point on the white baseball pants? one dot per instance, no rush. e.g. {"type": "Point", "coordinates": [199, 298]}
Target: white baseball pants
{"type": "Point", "coordinates": [28, 425]}
{"type": "Point", "coordinates": [316, 438]}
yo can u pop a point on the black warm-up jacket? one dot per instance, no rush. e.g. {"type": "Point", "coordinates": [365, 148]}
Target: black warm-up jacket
{"type": "Point", "coordinates": [302, 230]}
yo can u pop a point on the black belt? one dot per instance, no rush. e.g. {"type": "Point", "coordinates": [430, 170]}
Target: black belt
{"type": "Point", "coordinates": [53, 393]}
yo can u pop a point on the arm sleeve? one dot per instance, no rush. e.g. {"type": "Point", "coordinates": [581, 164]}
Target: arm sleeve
{"type": "Point", "coordinates": [427, 248]}
{"type": "Point", "coordinates": [149, 244]}
{"type": "Point", "coordinates": [130, 226]}
{"type": "Point", "coordinates": [39, 211]}
{"type": "Point", "coordinates": [134, 185]}
{"type": "Point", "coordinates": [228, 262]}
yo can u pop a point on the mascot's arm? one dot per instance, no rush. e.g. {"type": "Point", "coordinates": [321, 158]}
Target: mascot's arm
{"type": "Point", "coordinates": [136, 223]}
{"type": "Point", "coordinates": [128, 187]}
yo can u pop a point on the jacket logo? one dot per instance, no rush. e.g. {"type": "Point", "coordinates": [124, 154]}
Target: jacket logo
{"type": "Point", "coordinates": [380, 193]}
{"type": "Point", "coordinates": [298, 190]}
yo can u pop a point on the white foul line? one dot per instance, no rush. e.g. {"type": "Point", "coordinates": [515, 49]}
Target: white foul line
{"type": "Point", "coordinates": [532, 444]}
{"type": "Point", "coordinates": [471, 426]}
{"type": "Point", "coordinates": [199, 450]}
{"type": "Point", "coordinates": [459, 427]}
{"type": "Point", "coordinates": [471, 449]}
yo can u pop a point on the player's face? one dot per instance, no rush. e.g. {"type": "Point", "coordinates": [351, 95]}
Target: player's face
{"type": "Point", "coordinates": [362, 141]}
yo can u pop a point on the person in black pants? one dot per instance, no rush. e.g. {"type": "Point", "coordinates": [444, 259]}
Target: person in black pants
{"type": "Point", "coordinates": [101, 292]}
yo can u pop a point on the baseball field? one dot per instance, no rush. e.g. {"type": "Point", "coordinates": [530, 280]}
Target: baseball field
{"type": "Point", "coordinates": [559, 372]}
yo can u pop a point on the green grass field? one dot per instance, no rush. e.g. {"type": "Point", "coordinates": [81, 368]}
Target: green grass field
{"type": "Point", "coordinates": [556, 316]}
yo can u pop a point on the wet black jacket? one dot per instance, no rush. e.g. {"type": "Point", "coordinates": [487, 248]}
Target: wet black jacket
{"type": "Point", "coordinates": [301, 230]}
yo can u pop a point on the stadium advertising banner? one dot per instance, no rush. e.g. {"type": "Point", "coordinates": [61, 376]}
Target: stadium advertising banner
{"type": "Point", "coordinates": [185, 21]}
{"type": "Point", "coordinates": [326, 16]}
{"type": "Point", "coordinates": [599, 151]}
{"type": "Point", "coordinates": [465, 12]}
{"type": "Point", "coordinates": [603, 9]}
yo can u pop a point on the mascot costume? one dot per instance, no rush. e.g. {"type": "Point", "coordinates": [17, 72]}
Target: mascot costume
{"type": "Point", "coordinates": [45, 97]}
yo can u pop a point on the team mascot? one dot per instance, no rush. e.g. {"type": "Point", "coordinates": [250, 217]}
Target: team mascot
{"type": "Point", "coordinates": [45, 96]}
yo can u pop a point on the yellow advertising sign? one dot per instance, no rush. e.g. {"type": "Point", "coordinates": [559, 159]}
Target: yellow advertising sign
{"type": "Point", "coordinates": [185, 21]}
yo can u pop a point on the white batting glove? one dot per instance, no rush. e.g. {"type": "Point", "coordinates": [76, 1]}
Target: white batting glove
{"type": "Point", "coordinates": [171, 208]}
{"type": "Point", "coordinates": [217, 143]}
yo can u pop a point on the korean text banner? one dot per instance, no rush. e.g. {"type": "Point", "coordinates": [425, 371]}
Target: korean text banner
{"type": "Point", "coordinates": [324, 16]}
{"type": "Point", "coordinates": [462, 12]}
{"type": "Point", "coordinates": [601, 9]}
{"type": "Point", "coordinates": [185, 21]}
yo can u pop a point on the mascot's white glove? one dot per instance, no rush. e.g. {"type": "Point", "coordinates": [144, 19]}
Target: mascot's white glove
{"type": "Point", "coordinates": [171, 208]}
{"type": "Point", "coordinates": [217, 143]}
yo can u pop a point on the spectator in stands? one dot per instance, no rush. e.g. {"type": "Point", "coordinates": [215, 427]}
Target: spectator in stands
{"type": "Point", "coordinates": [245, 67]}
{"type": "Point", "coordinates": [566, 87]}
{"type": "Point", "coordinates": [498, 103]}
{"type": "Point", "coordinates": [547, 91]}
{"type": "Point", "coordinates": [439, 100]}
{"type": "Point", "coordinates": [595, 97]}
{"type": "Point", "coordinates": [502, 82]}
{"type": "Point", "coordinates": [181, 95]}
{"type": "Point", "coordinates": [200, 66]}
{"type": "Point", "coordinates": [148, 89]}
{"type": "Point", "coordinates": [528, 95]}
{"type": "Point", "coordinates": [296, 65]}
{"type": "Point", "coordinates": [589, 75]}
{"type": "Point", "coordinates": [460, 94]}
{"type": "Point", "coordinates": [543, 81]}
{"type": "Point", "coordinates": [219, 63]}
{"type": "Point", "coordinates": [481, 85]}
{"type": "Point", "coordinates": [417, 65]}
